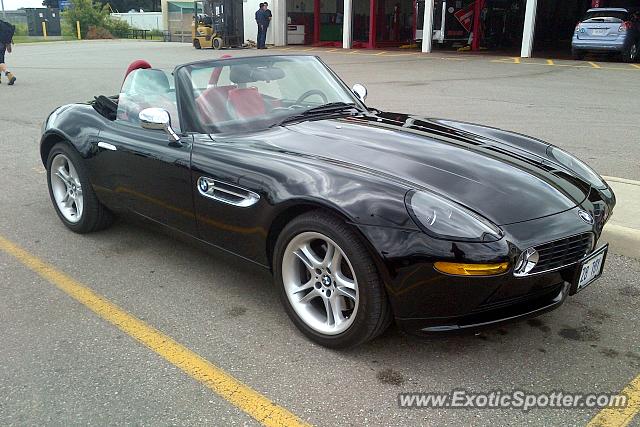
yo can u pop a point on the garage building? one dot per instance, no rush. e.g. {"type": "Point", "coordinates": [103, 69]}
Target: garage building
{"type": "Point", "coordinates": [509, 26]}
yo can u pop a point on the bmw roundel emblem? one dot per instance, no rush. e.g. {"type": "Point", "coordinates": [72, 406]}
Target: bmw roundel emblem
{"type": "Point", "coordinates": [586, 216]}
{"type": "Point", "coordinates": [203, 184]}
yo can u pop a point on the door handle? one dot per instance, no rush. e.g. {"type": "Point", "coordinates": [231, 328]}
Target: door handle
{"type": "Point", "coordinates": [106, 146]}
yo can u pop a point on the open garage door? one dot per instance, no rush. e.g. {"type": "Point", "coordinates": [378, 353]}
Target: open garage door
{"type": "Point", "coordinates": [555, 24]}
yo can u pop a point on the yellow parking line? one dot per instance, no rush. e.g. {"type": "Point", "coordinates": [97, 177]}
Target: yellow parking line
{"type": "Point", "coordinates": [235, 392]}
{"type": "Point", "coordinates": [620, 417]}
{"type": "Point", "coordinates": [635, 65]}
{"type": "Point", "coordinates": [594, 65]}
{"type": "Point", "coordinates": [550, 62]}
{"type": "Point", "coordinates": [381, 53]}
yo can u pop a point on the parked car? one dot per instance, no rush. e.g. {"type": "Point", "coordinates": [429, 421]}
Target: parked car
{"type": "Point", "coordinates": [363, 216]}
{"type": "Point", "coordinates": [610, 30]}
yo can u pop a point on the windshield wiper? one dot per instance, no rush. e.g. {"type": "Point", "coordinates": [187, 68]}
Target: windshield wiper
{"type": "Point", "coordinates": [331, 107]}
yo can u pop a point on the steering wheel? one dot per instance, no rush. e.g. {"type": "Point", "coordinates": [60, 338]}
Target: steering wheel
{"type": "Point", "coordinates": [311, 92]}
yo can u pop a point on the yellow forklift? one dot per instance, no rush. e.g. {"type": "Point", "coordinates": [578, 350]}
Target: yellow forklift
{"type": "Point", "coordinates": [217, 24]}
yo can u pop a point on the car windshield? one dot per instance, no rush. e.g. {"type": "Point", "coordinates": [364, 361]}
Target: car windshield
{"type": "Point", "coordinates": [245, 94]}
{"type": "Point", "coordinates": [606, 16]}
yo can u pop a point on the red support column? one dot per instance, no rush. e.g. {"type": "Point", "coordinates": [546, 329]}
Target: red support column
{"type": "Point", "coordinates": [316, 21]}
{"type": "Point", "coordinates": [372, 24]}
{"type": "Point", "coordinates": [475, 43]}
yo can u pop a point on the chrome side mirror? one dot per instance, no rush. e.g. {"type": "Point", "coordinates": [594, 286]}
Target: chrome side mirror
{"type": "Point", "coordinates": [360, 91]}
{"type": "Point", "coordinates": [158, 119]}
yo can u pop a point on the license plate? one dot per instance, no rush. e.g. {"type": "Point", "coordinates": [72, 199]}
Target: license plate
{"type": "Point", "coordinates": [599, 32]}
{"type": "Point", "coordinates": [591, 268]}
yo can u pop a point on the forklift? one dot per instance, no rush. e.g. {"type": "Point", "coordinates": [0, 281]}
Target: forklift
{"type": "Point", "coordinates": [217, 24]}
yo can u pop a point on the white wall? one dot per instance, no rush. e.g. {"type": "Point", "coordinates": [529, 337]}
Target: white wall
{"type": "Point", "coordinates": [143, 20]}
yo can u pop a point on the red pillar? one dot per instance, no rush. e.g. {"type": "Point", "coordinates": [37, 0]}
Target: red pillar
{"type": "Point", "coordinates": [475, 43]}
{"type": "Point", "coordinates": [316, 21]}
{"type": "Point", "coordinates": [372, 24]}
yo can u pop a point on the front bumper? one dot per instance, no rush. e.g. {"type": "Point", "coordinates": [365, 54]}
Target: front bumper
{"type": "Point", "coordinates": [520, 308]}
{"type": "Point", "coordinates": [424, 300]}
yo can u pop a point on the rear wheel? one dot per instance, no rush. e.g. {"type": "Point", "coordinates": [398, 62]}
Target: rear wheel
{"type": "Point", "coordinates": [631, 53]}
{"type": "Point", "coordinates": [217, 43]}
{"type": "Point", "coordinates": [196, 44]}
{"type": "Point", "coordinates": [73, 197]}
{"type": "Point", "coordinates": [328, 282]}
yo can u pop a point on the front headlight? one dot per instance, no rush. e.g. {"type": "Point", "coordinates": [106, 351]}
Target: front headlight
{"type": "Point", "coordinates": [444, 219]}
{"type": "Point", "coordinates": [577, 166]}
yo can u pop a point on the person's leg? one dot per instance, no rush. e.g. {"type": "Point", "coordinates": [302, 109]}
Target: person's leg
{"type": "Point", "coordinates": [260, 37]}
{"type": "Point", "coordinates": [3, 66]}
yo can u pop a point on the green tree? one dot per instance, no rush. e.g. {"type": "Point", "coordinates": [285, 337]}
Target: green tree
{"type": "Point", "coordinates": [88, 12]}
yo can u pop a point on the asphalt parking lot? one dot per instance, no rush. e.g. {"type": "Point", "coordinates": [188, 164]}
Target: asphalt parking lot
{"type": "Point", "coordinates": [61, 363]}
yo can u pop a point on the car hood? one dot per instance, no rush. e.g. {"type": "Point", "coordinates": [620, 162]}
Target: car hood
{"type": "Point", "coordinates": [505, 177]}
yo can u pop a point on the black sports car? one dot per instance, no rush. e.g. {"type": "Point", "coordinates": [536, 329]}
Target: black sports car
{"type": "Point", "coordinates": [363, 216]}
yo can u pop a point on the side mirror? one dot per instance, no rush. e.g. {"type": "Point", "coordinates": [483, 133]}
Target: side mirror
{"type": "Point", "coordinates": [158, 119]}
{"type": "Point", "coordinates": [360, 91]}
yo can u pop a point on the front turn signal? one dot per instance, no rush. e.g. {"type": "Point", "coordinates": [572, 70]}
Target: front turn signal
{"type": "Point", "coordinates": [460, 269]}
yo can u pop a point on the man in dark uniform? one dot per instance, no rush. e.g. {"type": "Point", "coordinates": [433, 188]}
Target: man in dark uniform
{"type": "Point", "coordinates": [268, 16]}
{"type": "Point", "coordinates": [6, 40]}
{"type": "Point", "coordinates": [260, 22]}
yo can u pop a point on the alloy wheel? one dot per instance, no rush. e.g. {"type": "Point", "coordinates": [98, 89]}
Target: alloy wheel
{"type": "Point", "coordinates": [66, 188]}
{"type": "Point", "coordinates": [320, 283]}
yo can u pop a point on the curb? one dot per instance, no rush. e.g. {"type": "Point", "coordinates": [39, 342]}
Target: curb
{"type": "Point", "coordinates": [623, 240]}
{"type": "Point", "coordinates": [622, 180]}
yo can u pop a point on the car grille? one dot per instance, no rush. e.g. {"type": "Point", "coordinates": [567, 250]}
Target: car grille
{"type": "Point", "coordinates": [563, 252]}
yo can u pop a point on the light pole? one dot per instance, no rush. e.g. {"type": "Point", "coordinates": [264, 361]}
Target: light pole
{"type": "Point", "coordinates": [4, 14]}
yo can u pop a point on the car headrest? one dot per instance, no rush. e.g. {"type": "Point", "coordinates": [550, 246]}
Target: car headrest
{"type": "Point", "coordinates": [243, 73]}
{"type": "Point", "coordinates": [138, 64]}
{"type": "Point", "coordinates": [146, 81]}
{"type": "Point", "coordinates": [215, 74]}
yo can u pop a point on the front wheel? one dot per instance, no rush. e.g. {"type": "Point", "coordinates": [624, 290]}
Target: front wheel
{"type": "Point", "coordinates": [217, 43]}
{"type": "Point", "coordinates": [328, 282]}
{"type": "Point", "coordinates": [73, 197]}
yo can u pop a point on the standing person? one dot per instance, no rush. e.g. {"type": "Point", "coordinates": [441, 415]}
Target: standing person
{"type": "Point", "coordinates": [267, 20]}
{"type": "Point", "coordinates": [260, 22]}
{"type": "Point", "coordinates": [6, 40]}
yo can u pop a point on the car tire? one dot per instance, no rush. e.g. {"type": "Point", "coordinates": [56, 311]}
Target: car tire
{"type": "Point", "coordinates": [196, 44]}
{"type": "Point", "coordinates": [577, 54]}
{"type": "Point", "coordinates": [358, 314]}
{"type": "Point", "coordinates": [71, 192]}
{"type": "Point", "coordinates": [631, 53]}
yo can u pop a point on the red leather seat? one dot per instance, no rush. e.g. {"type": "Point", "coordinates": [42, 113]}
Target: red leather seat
{"type": "Point", "coordinates": [212, 104]}
{"type": "Point", "coordinates": [246, 102]}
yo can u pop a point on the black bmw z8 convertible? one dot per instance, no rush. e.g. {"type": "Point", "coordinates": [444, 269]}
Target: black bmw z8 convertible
{"type": "Point", "coordinates": [363, 216]}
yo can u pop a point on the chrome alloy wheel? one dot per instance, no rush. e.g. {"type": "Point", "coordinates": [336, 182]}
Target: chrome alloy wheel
{"type": "Point", "coordinates": [320, 283]}
{"type": "Point", "coordinates": [66, 188]}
